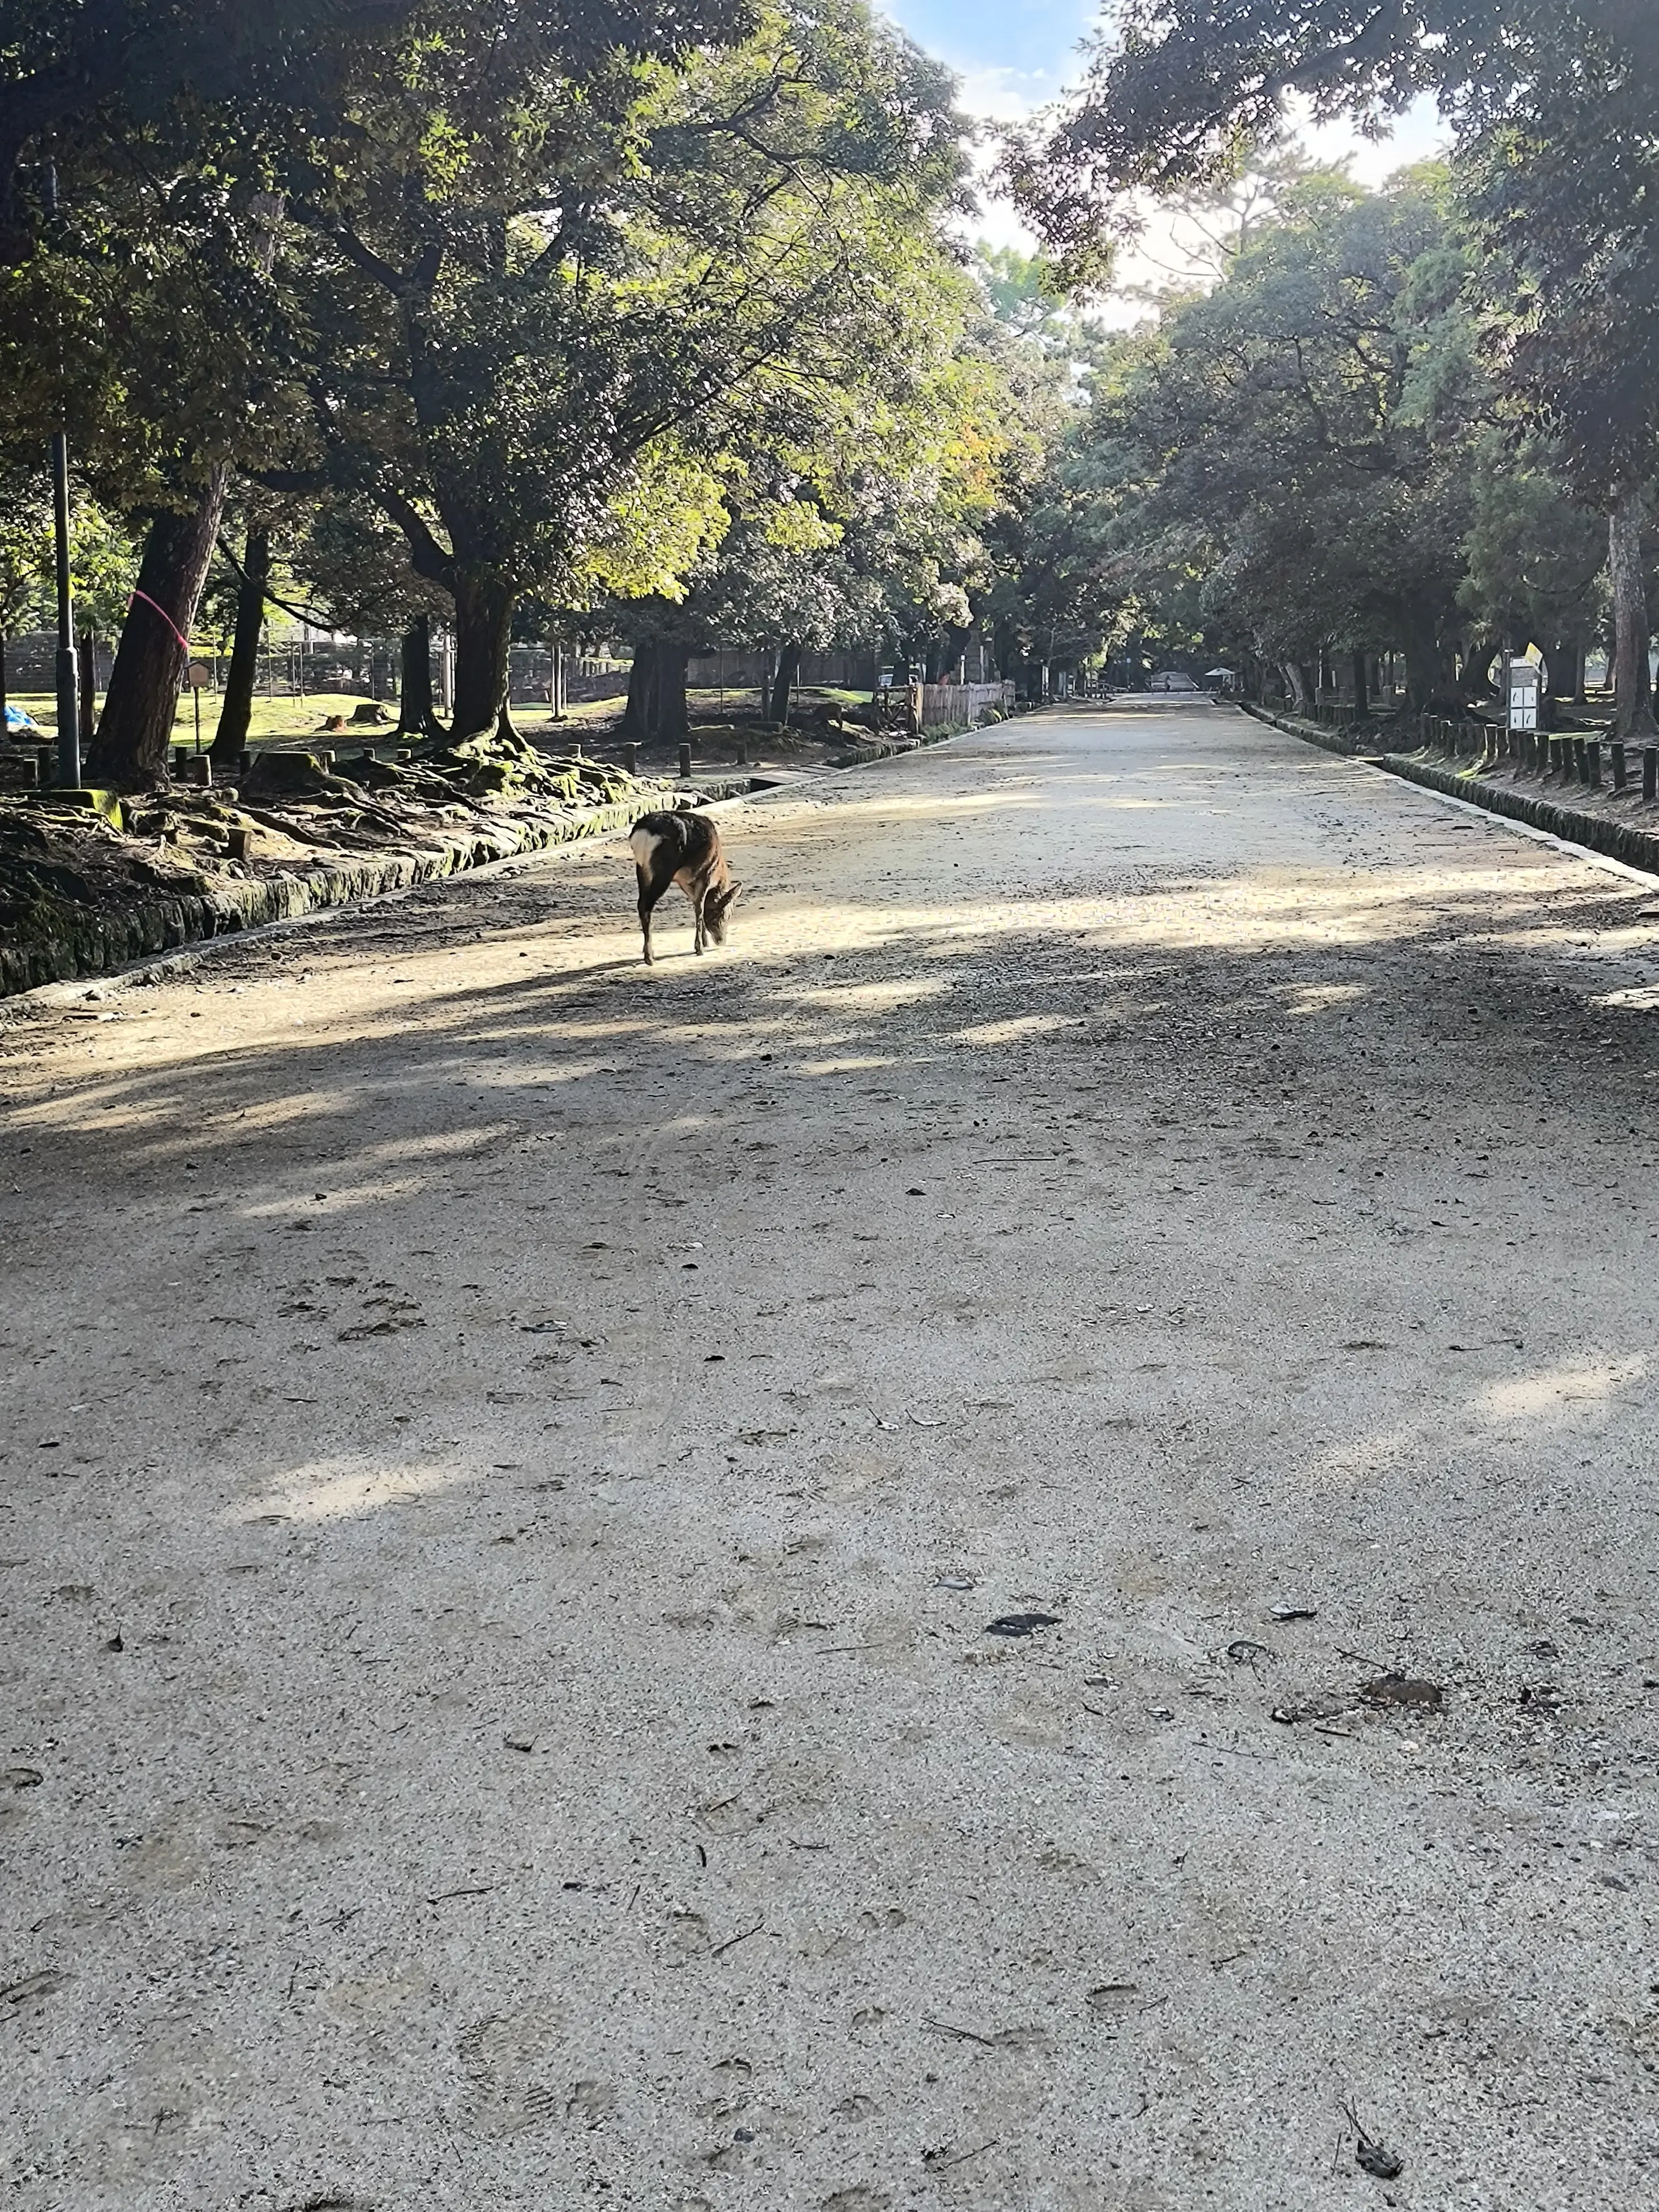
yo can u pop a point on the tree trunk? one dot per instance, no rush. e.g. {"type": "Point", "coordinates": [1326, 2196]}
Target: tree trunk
{"type": "Point", "coordinates": [236, 708]}
{"type": "Point", "coordinates": [1362, 694]}
{"type": "Point", "coordinates": [1632, 680]}
{"type": "Point", "coordinates": [673, 711]}
{"type": "Point", "coordinates": [658, 710]}
{"type": "Point", "coordinates": [783, 683]}
{"type": "Point", "coordinates": [483, 630]}
{"type": "Point", "coordinates": [1431, 673]}
{"type": "Point", "coordinates": [141, 702]}
{"type": "Point", "coordinates": [1562, 667]}
{"type": "Point", "coordinates": [639, 716]}
{"type": "Point", "coordinates": [505, 728]}
{"type": "Point", "coordinates": [417, 715]}
{"type": "Point", "coordinates": [88, 698]}
{"type": "Point", "coordinates": [1477, 664]}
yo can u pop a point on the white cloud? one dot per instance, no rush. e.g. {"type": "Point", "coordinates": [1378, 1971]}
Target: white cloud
{"type": "Point", "coordinates": [1006, 95]}
{"type": "Point", "coordinates": [1168, 247]}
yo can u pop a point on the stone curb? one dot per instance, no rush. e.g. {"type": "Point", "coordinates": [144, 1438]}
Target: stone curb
{"type": "Point", "coordinates": [864, 754]}
{"type": "Point", "coordinates": [95, 942]}
{"type": "Point", "coordinates": [1312, 734]}
{"type": "Point", "coordinates": [98, 943]}
{"type": "Point", "coordinates": [1617, 841]}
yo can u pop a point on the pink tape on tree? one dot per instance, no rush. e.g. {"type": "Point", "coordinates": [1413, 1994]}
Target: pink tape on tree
{"type": "Point", "coordinates": [184, 642]}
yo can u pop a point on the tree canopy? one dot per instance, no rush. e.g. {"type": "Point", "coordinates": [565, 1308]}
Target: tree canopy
{"type": "Point", "coordinates": [1553, 102]}
{"type": "Point", "coordinates": [658, 318]}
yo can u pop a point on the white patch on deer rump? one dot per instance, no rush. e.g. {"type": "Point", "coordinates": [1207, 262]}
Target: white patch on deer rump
{"type": "Point", "coordinates": [642, 844]}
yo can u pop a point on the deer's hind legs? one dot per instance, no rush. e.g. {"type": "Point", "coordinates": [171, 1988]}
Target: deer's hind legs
{"type": "Point", "coordinates": [650, 892]}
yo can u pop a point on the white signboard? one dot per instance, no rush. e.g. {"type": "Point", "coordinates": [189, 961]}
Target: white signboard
{"type": "Point", "coordinates": [1523, 696]}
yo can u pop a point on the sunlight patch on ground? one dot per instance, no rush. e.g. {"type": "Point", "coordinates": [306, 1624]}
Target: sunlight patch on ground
{"type": "Point", "coordinates": [845, 997]}
{"type": "Point", "coordinates": [340, 1490]}
{"type": "Point", "coordinates": [1549, 1395]}
{"type": "Point", "coordinates": [1364, 1459]}
{"type": "Point", "coordinates": [337, 1200]}
{"type": "Point", "coordinates": [855, 1065]}
{"type": "Point", "coordinates": [1319, 998]}
{"type": "Point", "coordinates": [1016, 1027]}
{"type": "Point", "coordinates": [181, 1119]}
{"type": "Point", "coordinates": [543, 1076]}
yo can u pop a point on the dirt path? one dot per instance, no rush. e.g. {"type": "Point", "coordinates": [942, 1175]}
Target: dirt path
{"type": "Point", "coordinates": [510, 1462]}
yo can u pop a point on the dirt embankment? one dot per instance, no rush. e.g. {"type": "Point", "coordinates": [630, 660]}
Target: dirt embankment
{"type": "Point", "coordinates": [89, 888]}
{"type": "Point", "coordinates": [84, 891]}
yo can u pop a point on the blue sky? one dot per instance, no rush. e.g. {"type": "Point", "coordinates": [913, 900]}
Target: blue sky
{"type": "Point", "coordinates": [1011, 54]}
{"type": "Point", "coordinates": [1015, 55]}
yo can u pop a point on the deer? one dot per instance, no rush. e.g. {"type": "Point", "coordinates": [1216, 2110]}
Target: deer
{"type": "Point", "coordinates": [683, 849]}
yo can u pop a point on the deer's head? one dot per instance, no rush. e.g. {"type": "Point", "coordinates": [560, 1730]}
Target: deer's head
{"type": "Point", "coordinates": [716, 906]}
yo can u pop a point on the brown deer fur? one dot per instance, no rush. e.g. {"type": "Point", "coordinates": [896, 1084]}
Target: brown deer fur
{"type": "Point", "coordinates": [683, 849]}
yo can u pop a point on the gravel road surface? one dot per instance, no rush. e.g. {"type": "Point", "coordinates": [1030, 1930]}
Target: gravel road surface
{"type": "Point", "coordinates": [987, 1554]}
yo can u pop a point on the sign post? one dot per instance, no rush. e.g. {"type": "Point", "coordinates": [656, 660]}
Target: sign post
{"type": "Point", "coordinates": [1523, 688]}
{"type": "Point", "coordinates": [69, 666]}
{"type": "Point", "coordinates": [197, 677]}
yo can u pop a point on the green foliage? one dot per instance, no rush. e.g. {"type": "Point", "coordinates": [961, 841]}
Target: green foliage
{"type": "Point", "coordinates": [1315, 457]}
{"type": "Point", "coordinates": [1024, 295]}
{"type": "Point", "coordinates": [1534, 556]}
{"type": "Point", "coordinates": [1565, 197]}
{"type": "Point", "coordinates": [25, 550]}
{"type": "Point", "coordinates": [1179, 91]}
{"type": "Point", "coordinates": [537, 302]}
{"type": "Point", "coordinates": [102, 560]}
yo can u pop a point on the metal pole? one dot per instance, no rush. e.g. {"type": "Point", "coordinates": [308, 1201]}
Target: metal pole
{"type": "Point", "coordinates": [69, 673]}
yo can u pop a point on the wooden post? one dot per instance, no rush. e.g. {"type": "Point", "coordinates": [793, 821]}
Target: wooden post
{"type": "Point", "coordinates": [1593, 764]}
{"type": "Point", "coordinates": [1650, 771]}
{"type": "Point", "coordinates": [1618, 752]}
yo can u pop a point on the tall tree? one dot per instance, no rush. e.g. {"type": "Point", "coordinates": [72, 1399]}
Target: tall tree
{"type": "Point", "coordinates": [516, 304]}
{"type": "Point", "coordinates": [1567, 198]}
{"type": "Point", "coordinates": [141, 306]}
{"type": "Point", "coordinates": [1558, 93]}
{"type": "Point", "coordinates": [1283, 463]}
{"type": "Point", "coordinates": [1178, 92]}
